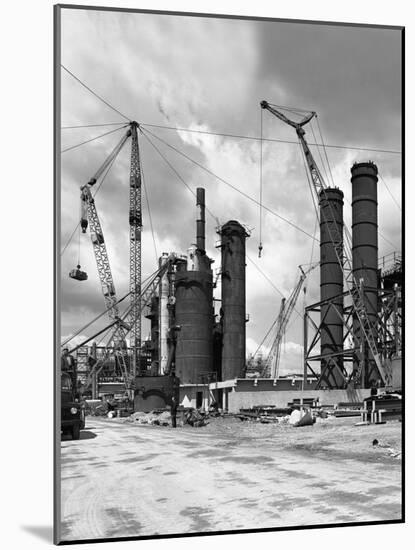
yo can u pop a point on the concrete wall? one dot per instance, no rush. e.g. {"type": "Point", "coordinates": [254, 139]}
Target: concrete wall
{"type": "Point", "coordinates": [241, 393]}
{"type": "Point", "coordinates": [239, 399]}
{"type": "Point", "coordinates": [188, 396]}
{"type": "Point", "coordinates": [268, 384]}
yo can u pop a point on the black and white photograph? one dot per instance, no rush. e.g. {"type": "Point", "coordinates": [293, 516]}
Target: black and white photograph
{"type": "Point", "coordinates": [229, 312]}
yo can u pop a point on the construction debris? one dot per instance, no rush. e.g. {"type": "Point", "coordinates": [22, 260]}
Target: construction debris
{"type": "Point", "coordinates": [194, 418]}
{"type": "Point", "coordinates": [394, 453]}
{"type": "Point", "coordinates": [157, 417]}
{"type": "Point", "coordinates": [110, 408]}
{"type": "Point", "coordinates": [162, 417]}
{"type": "Point", "coordinates": [301, 417]}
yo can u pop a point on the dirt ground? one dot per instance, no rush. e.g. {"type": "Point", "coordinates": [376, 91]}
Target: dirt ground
{"type": "Point", "coordinates": [123, 479]}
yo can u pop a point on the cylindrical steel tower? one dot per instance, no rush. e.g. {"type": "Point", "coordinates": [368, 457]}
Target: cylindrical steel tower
{"type": "Point", "coordinates": [233, 236]}
{"type": "Point", "coordinates": [331, 287]}
{"type": "Point", "coordinates": [365, 257]}
{"type": "Point", "coordinates": [163, 317]}
{"type": "Point", "coordinates": [194, 316]}
{"type": "Point", "coordinates": [193, 284]}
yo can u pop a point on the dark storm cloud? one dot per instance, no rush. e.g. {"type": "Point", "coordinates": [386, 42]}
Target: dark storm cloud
{"type": "Point", "coordinates": [350, 76]}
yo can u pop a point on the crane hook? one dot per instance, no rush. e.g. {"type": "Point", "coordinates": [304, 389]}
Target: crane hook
{"type": "Point", "coordinates": [260, 247]}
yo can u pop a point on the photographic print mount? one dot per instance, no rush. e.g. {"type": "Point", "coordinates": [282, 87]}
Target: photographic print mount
{"type": "Point", "coordinates": [267, 374]}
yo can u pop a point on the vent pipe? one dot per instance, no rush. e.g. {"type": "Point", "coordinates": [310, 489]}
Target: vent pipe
{"type": "Point", "coordinates": [200, 220]}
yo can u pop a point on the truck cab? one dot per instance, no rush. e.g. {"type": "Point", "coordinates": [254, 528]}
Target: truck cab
{"type": "Point", "coordinates": [71, 410]}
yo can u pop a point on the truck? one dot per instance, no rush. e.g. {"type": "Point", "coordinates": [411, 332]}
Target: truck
{"type": "Point", "coordinates": [72, 411]}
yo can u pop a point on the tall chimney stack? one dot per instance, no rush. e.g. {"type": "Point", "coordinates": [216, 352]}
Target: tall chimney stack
{"type": "Point", "coordinates": [200, 221]}
{"type": "Point", "coordinates": [331, 287]}
{"type": "Point", "coordinates": [365, 257]}
{"type": "Point", "coordinates": [233, 244]}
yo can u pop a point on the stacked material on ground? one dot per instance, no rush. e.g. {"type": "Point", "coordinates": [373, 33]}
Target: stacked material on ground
{"type": "Point", "coordinates": [194, 418]}
{"type": "Point", "coordinates": [156, 417]}
{"type": "Point", "coordinates": [292, 415]}
{"type": "Point", "coordinates": [162, 417]}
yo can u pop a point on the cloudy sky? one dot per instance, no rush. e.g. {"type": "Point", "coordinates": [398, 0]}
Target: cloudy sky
{"type": "Point", "coordinates": [210, 75]}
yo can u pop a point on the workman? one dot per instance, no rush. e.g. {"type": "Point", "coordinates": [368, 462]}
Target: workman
{"type": "Point", "coordinates": [173, 411]}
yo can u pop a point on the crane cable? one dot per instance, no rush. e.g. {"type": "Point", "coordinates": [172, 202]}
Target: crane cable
{"type": "Point", "coordinates": [93, 139]}
{"type": "Point", "coordinates": [148, 208]}
{"type": "Point", "coordinates": [79, 237]}
{"type": "Point", "coordinates": [105, 312]}
{"type": "Point", "coordinates": [310, 185]}
{"type": "Point", "coordinates": [95, 94]}
{"type": "Point", "coordinates": [324, 149]}
{"type": "Point", "coordinates": [276, 319]}
{"type": "Point", "coordinates": [91, 125]}
{"type": "Point", "coordinates": [265, 337]}
{"type": "Point", "coordinates": [331, 175]}
{"type": "Point", "coordinates": [95, 194]}
{"type": "Point", "coordinates": [298, 314]}
{"type": "Point", "coordinates": [265, 276]}
{"type": "Point", "coordinates": [228, 184]}
{"type": "Point", "coordinates": [312, 244]}
{"type": "Point", "coordinates": [147, 282]}
{"type": "Point", "coordinates": [298, 110]}
{"type": "Point", "coordinates": [178, 175]}
{"type": "Point", "coordinates": [295, 110]}
{"type": "Point", "coordinates": [209, 211]}
{"type": "Point", "coordinates": [260, 247]}
{"type": "Point", "coordinates": [275, 140]}
{"type": "Point", "coordinates": [390, 193]}
{"type": "Point", "coordinates": [318, 145]}
{"type": "Point", "coordinates": [94, 320]}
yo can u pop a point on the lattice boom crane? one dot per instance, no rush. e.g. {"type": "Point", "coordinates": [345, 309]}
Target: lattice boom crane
{"type": "Point", "coordinates": [142, 300]}
{"type": "Point", "coordinates": [89, 216]}
{"type": "Point", "coordinates": [272, 362]}
{"type": "Point", "coordinates": [135, 221]}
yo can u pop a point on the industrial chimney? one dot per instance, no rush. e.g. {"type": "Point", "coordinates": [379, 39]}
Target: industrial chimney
{"type": "Point", "coordinates": [331, 288]}
{"type": "Point", "coordinates": [365, 258]}
{"type": "Point", "coordinates": [194, 307]}
{"type": "Point", "coordinates": [233, 237]}
{"type": "Point", "coordinates": [200, 220]}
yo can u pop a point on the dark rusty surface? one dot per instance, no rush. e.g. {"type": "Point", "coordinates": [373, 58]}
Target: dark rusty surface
{"type": "Point", "coordinates": [331, 283]}
{"type": "Point", "coordinates": [365, 247]}
{"type": "Point", "coordinates": [194, 315]}
{"type": "Point", "coordinates": [233, 236]}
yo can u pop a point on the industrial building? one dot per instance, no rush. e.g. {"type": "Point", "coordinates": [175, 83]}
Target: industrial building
{"type": "Point", "coordinates": [352, 335]}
